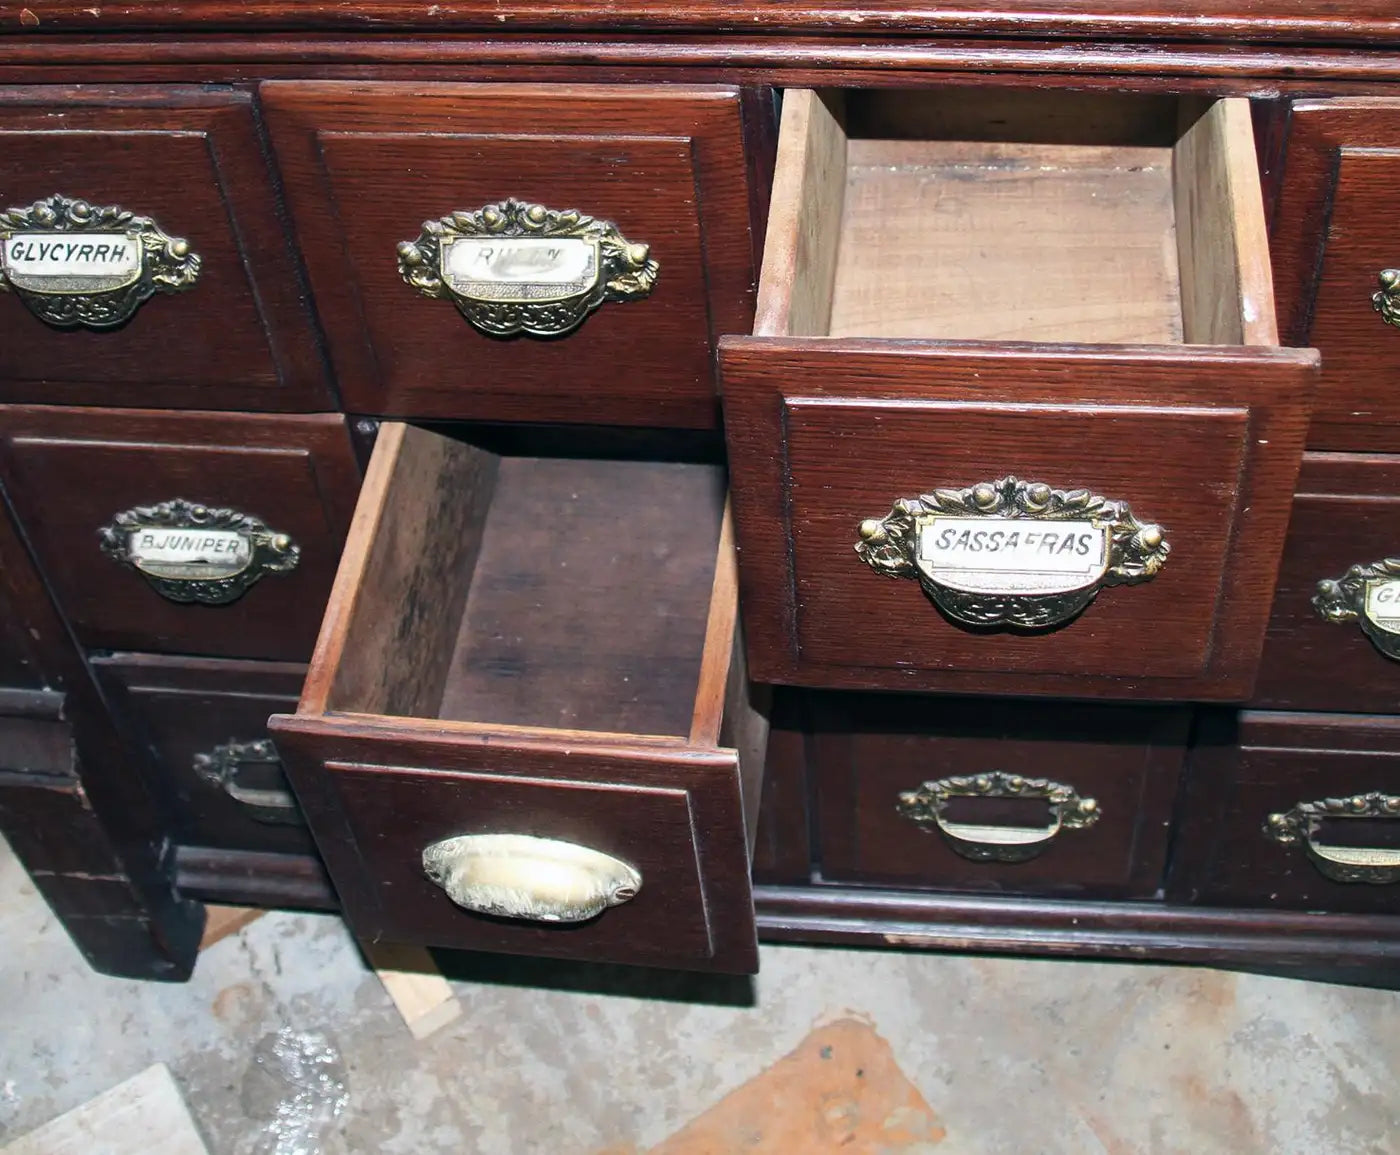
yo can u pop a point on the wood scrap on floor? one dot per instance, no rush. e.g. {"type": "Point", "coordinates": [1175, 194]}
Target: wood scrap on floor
{"type": "Point", "coordinates": [410, 976]}
{"type": "Point", "coordinates": [222, 921]}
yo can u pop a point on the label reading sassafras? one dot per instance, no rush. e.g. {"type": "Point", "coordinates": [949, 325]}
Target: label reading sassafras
{"type": "Point", "coordinates": [1012, 555]}
{"type": "Point", "coordinates": [1383, 604]}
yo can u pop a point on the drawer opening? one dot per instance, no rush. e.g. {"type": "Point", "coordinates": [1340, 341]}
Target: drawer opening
{"type": "Point", "coordinates": [564, 593]}
{"type": "Point", "coordinates": [1021, 215]}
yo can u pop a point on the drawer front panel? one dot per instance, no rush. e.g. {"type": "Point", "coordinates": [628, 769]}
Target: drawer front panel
{"type": "Point", "coordinates": [1345, 514]}
{"type": "Point", "coordinates": [1333, 237]}
{"type": "Point", "coordinates": [236, 334]}
{"type": "Point", "coordinates": [1203, 446]}
{"type": "Point", "coordinates": [202, 728]}
{"type": "Point", "coordinates": [1293, 810]}
{"type": "Point", "coordinates": [367, 165]}
{"type": "Point", "coordinates": [972, 825]}
{"type": "Point", "coordinates": [71, 474]}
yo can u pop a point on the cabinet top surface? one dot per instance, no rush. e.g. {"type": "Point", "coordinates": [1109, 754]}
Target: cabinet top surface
{"type": "Point", "coordinates": [1298, 22]}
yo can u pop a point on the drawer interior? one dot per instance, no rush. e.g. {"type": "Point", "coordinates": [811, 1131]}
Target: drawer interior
{"type": "Point", "coordinates": [1017, 215]}
{"type": "Point", "coordinates": [566, 592]}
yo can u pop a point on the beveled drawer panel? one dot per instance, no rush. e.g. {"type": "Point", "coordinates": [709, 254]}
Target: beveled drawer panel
{"type": "Point", "coordinates": [228, 326]}
{"type": "Point", "coordinates": [1008, 797]}
{"type": "Point", "coordinates": [1292, 810]}
{"type": "Point", "coordinates": [366, 165]}
{"type": "Point", "coordinates": [1331, 648]}
{"type": "Point", "coordinates": [527, 726]}
{"type": "Point", "coordinates": [87, 484]}
{"type": "Point", "coordinates": [890, 419]}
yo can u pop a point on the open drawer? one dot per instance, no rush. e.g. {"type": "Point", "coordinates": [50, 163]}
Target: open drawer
{"type": "Point", "coordinates": [527, 726]}
{"type": "Point", "coordinates": [1013, 349]}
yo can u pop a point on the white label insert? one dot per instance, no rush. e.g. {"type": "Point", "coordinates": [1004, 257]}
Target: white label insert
{"type": "Point", "coordinates": [176, 552]}
{"type": "Point", "coordinates": [1383, 604]}
{"type": "Point", "coordinates": [520, 268]}
{"type": "Point", "coordinates": [1012, 555]}
{"type": "Point", "coordinates": [72, 260]}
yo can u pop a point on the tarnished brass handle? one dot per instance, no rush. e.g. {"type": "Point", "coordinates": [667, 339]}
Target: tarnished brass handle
{"type": "Point", "coordinates": [225, 766]}
{"type": "Point", "coordinates": [1386, 299]}
{"type": "Point", "coordinates": [1370, 595]}
{"type": "Point", "coordinates": [537, 879]}
{"type": "Point", "coordinates": [997, 843]}
{"type": "Point", "coordinates": [1379, 866]}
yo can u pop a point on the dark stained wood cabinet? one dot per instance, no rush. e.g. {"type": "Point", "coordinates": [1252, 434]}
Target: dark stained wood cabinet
{"type": "Point", "coordinates": [530, 487]}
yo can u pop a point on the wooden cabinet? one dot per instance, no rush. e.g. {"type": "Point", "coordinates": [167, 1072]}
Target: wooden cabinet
{"type": "Point", "coordinates": [659, 176]}
{"type": "Point", "coordinates": [190, 160]}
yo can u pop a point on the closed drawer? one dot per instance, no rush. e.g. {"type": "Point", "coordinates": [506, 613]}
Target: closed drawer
{"type": "Point", "coordinates": [201, 728]}
{"type": "Point", "coordinates": [198, 533]}
{"type": "Point", "coordinates": [901, 413]}
{"type": "Point", "coordinates": [593, 239]}
{"type": "Point", "coordinates": [1334, 240]}
{"type": "Point", "coordinates": [1015, 798]}
{"type": "Point", "coordinates": [1292, 810]}
{"type": "Point", "coordinates": [144, 260]}
{"type": "Point", "coordinates": [527, 727]}
{"type": "Point", "coordinates": [1334, 638]}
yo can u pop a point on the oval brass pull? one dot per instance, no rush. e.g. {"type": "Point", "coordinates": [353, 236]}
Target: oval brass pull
{"type": "Point", "coordinates": [1012, 554]}
{"type": "Point", "coordinates": [189, 552]}
{"type": "Point", "coordinates": [537, 879]}
{"type": "Point", "coordinates": [515, 267]}
{"type": "Point", "coordinates": [998, 843]}
{"type": "Point", "coordinates": [226, 766]}
{"type": "Point", "coordinates": [1386, 299]}
{"type": "Point", "coordinates": [1376, 865]}
{"type": "Point", "coordinates": [1369, 594]}
{"type": "Point", "coordinates": [79, 265]}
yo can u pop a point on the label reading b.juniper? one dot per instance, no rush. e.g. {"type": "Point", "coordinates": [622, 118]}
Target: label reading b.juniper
{"type": "Point", "coordinates": [520, 268]}
{"type": "Point", "coordinates": [193, 553]}
{"type": "Point", "coordinates": [1383, 604]}
{"type": "Point", "coordinates": [1012, 555]}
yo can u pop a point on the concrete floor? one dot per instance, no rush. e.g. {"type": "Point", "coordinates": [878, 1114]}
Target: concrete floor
{"type": "Point", "coordinates": [1015, 1056]}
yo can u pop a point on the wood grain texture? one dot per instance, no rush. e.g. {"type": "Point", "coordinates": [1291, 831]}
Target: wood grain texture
{"type": "Point", "coordinates": [824, 433]}
{"type": "Point", "coordinates": [366, 164]}
{"type": "Point", "coordinates": [423, 998]}
{"type": "Point", "coordinates": [242, 336]}
{"type": "Point", "coordinates": [70, 471]}
{"type": "Point", "coordinates": [254, 878]}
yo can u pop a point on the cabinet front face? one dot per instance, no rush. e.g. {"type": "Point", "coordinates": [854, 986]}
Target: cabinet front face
{"type": "Point", "coordinates": [198, 533]}
{"type": "Point", "coordinates": [521, 252]}
{"type": "Point", "coordinates": [1338, 262]}
{"type": "Point", "coordinates": [142, 256]}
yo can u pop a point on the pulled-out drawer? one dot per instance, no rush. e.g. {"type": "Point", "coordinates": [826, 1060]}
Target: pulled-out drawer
{"type": "Point", "coordinates": [1292, 810]}
{"type": "Point", "coordinates": [1006, 797]}
{"type": "Point", "coordinates": [527, 726]}
{"type": "Point", "coordinates": [1028, 363]}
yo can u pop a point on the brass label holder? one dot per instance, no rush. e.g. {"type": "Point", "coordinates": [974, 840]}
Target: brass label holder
{"type": "Point", "coordinates": [1378, 866]}
{"type": "Point", "coordinates": [1370, 595]}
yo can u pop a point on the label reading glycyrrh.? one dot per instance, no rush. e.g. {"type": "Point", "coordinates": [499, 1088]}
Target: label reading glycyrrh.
{"type": "Point", "coordinates": [520, 268]}
{"type": "Point", "coordinates": [57, 256]}
{"type": "Point", "coordinates": [1383, 604]}
{"type": "Point", "coordinates": [189, 552]}
{"type": "Point", "coordinates": [1011, 554]}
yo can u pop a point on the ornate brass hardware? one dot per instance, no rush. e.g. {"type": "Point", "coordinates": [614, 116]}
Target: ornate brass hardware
{"type": "Point", "coordinates": [997, 843]}
{"type": "Point", "coordinates": [78, 265]}
{"type": "Point", "coordinates": [1369, 594]}
{"type": "Point", "coordinates": [1376, 865]}
{"type": "Point", "coordinates": [251, 774]}
{"type": "Point", "coordinates": [1011, 553]}
{"type": "Point", "coordinates": [194, 553]}
{"type": "Point", "coordinates": [1386, 299]}
{"type": "Point", "coordinates": [520, 876]}
{"type": "Point", "coordinates": [514, 267]}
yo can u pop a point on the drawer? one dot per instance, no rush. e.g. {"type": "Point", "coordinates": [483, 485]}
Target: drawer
{"type": "Point", "coordinates": [593, 240]}
{"type": "Point", "coordinates": [201, 728]}
{"type": "Point", "coordinates": [1334, 241]}
{"type": "Point", "coordinates": [200, 533]}
{"type": "Point", "coordinates": [1005, 797]}
{"type": "Point", "coordinates": [187, 294]}
{"type": "Point", "coordinates": [1337, 646]}
{"type": "Point", "coordinates": [1292, 810]}
{"type": "Point", "coordinates": [1008, 370]}
{"type": "Point", "coordinates": [528, 696]}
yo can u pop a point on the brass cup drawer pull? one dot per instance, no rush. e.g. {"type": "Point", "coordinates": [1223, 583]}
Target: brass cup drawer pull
{"type": "Point", "coordinates": [979, 842]}
{"type": "Point", "coordinates": [79, 265]}
{"type": "Point", "coordinates": [1378, 866]}
{"type": "Point", "coordinates": [1386, 299]}
{"type": "Point", "coordinates": [189, 552]}
{"type": "Point", "coordinates": [535, 879]}
{"type": "Point", "coordinates": [229, 764]}
{"type": "Point", "coordinates": [515, 267]}
{"type": "Point", "coordinates": [1012, 554]}
{"type": "Point", "coordinates": [1370, 595]}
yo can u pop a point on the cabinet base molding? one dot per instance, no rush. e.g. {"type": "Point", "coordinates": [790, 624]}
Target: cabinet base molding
{"type": "Point", "coordinates": [252, 878]}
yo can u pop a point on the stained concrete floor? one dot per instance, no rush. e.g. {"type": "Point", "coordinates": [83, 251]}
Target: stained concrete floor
{"type": "Point", "coordinates": [1019, 1056]}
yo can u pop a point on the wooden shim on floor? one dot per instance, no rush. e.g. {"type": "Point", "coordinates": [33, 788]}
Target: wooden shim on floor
{"type": "Point", "coordinates": [222, 921]}
{"type": "Point", "coordinates": [143, 1116]}
{"type": "Point", "coordinates": [423, 997]}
